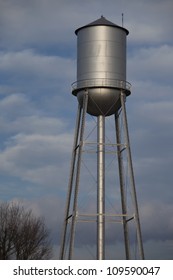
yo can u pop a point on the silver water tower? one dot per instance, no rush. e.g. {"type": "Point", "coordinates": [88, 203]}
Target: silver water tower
{"type": "Point", "coordinates": [101, 89]}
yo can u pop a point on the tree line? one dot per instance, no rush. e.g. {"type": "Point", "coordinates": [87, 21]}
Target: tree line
{"type": "Point", "coordinates": [22, 235]}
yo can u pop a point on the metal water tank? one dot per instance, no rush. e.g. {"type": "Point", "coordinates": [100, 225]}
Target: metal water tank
{"type": "Point", "coordinates": [101, 66]}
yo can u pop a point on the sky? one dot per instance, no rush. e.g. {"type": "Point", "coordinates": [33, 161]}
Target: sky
{"type": "Point", "coordinates": [37, 110]}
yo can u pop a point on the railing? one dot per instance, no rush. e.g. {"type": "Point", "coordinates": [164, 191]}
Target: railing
{"type": "Point", "coordinates": [114, 83]}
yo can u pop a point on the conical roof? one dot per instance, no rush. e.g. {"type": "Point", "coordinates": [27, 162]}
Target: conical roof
{"type": "Point", "coordinates": [102, 21]}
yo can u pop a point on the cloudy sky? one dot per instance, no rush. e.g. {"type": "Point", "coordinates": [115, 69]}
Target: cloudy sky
{"type": "Point", "coordinates": [37, 110]}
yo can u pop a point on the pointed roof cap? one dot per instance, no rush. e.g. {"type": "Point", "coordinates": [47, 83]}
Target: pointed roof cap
{"type": "Point", "coordinates": [102, 21]}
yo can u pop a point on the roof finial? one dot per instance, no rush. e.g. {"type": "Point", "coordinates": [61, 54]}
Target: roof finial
{"type": "Point", "coordinates": [122, 19]}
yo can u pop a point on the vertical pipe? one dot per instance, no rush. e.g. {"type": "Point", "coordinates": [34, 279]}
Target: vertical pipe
{"type": "Point", "coordinates": [101, 187]}
{"type": "Point", "coordinates": [122, 187]}
{"type": "Point", "coordinates": [70, 184]}
{"type": "Point", "coordinates": [78, 167]}
{"type": "Point", "coordinates": [133, 189]}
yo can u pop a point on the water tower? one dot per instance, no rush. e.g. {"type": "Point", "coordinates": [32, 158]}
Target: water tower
{"type": "Point", "coordinates": [101, 89]}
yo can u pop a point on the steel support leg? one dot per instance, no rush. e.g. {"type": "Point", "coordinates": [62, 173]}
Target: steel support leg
{"type": "Point", "coordinates": [100, 187]}
{"type": "Point", "coordinates": [70, 185]}
{"type": "Point", "coordinates": [122, 186]}
{"type": "Point", "coordinates": [77, 179]}
{"type": "Point", "coordinates": [133, 189]}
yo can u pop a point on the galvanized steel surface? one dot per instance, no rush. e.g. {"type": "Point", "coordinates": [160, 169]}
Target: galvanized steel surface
{"type": "Point", "coordinates": [101, 65]}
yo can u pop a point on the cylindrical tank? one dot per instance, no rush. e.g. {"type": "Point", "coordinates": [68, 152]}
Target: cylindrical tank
{"type": "Point", "coordinates": [101, 66]}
